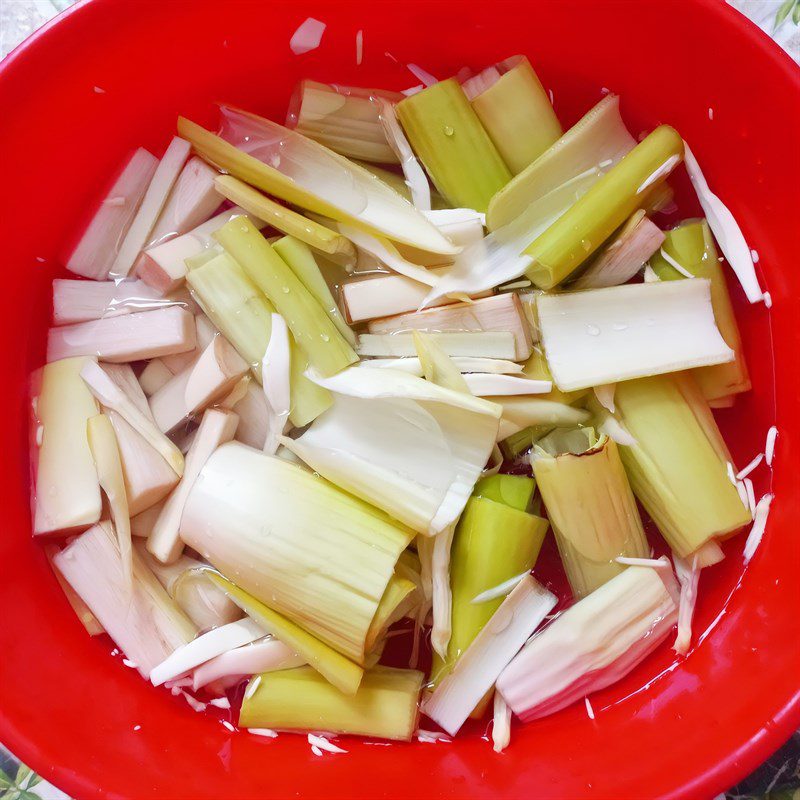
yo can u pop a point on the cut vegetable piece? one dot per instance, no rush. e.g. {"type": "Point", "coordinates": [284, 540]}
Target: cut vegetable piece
{"type": "Point", "coordinates": [345, 119]}
{"type": "Point", "coordinates": [132, 337]}
{"type": "Point", "coordinates": [105, 453]}
{"type": "Point", "coordinates": [192, 201]}
{"type": "Point", "coordinates": [493, 543]}
{"type": "Point", "coordinates": [205, 331]}
{"type": "Point", "coordinates": [515, 110]}
{"type": "Point", "coordinates": [67, 489]}
{"type": "Point", "coordinates": [340, 672]}
{"type": "Point", "coordinates": [276, 373]}
{"type": "Point", "coordinates": [521, 412]}
{"type": "Point", "coordinates": [384, 707]}
{"type": "Point", "coordinates": [98, 246]}
{"type": "Point", "coordinates": [110, 395]}
{"type": "Point", "coordinates": [469, 344]}
{"type": "Point", "coordinates": [386, 426]}
{"type": "Point", "coordinates": [488, 654]}
{"type": "Point", "coordinates": [252, 411]}
{"type": "Point", "coordinates": [501, 724]}
{"type": "Point", "coordinates": [688, 576]}
{"type": "Point", "coordinates": [333, 244]}
{"type": "Point", "coordinates": [707, 555]}
{"type": "Point", "coordinates": [395, 602]}
{"type": "Point", "coordinates": [590, 506]}
{"type": "Point", "coordinates": [309, 400]}
{"type": "Point", "coordinates": [145, 623]}
{"type": "Point", "coordinates": [167, 172]}
{"type": "Point", "coordinates": [164, 267]}
{"type": "Point", "coordinates": [678, 464]}
{"type": "Point", "coordinates": [580, 231]}
{"type": "Point", "coordinates": [441, 595]}
{"type": "Point", "coordinates": [622, 332]}
{"type": "Point", "coordinates": [592, 644]}
{"type": "Point", "coordinates": [536, 368]}
{"type": "Point", "coordinates": [216, 428]}
{"type": "Point", "coordinates": [496, 385]}
{"type": "Point", "coordinates": [307, 36]}
{"type": "Point", "coordinates": [398, 184]}
{"type": "Point", "coordinates": [205, 647]}
{"type": "Point", "coordinates": [624, 255]}
{"type": "Point", "coordinates": [387, 295]}
{"type": "Point", "coordinates": [692, 246]}
{"type": "Point", "coordinates": [498, 313]}
{"type": "Point", "coordinates": [83, 301]}
{"type": "Point", "coordinates": [287, 165]}
{"type": "Point", "coordinates": [301, 261]}
{"type": "Point", "coordinates": [462, 226]}
{"type": "Point", "coordinates": [593, 145]}
{"type": "Point", "coordinates": [412, 365]}
{"type": "Point", "coordinates": [154, 376]}
{"type": "Point", "coordinates": [312, 329]}
{"type": "Point", "coordinates": [82, 611]}
{"type": "Point", "coordinates": [450, 141]}
{"type": "Point", "coordinates": [188, 584]}
{"type": "Point", "coordinates": [142, 523]}
{"type": "Point", "coordinates": [514, 491]}
{"type": "Point", "coordinates": [211, 377]}
{"type": "Point", "coordinates": [725, 229]}
{"type": "Point", "coordinates": [266, 655]}
{"type": "Point", "coordinates": [436, 364]}
{"type": "Point", "coordinates": [236, 516]}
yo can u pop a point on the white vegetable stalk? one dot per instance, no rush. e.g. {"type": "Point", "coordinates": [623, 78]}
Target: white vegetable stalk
{"type": "Point", "coordinates": [143, 522]}
{"type": "Point", "coordinates": [252, 410]}
{"type": "Point", "coordinates": [154, 376]}
{"type": "Point", "coordinates": [501, 724]}
{"type": "Point", "coordinates": [622, 332]}
{"type": "Point", "coordinates": [192, 201]}
{"type": "Point", "coordinates": [237, 517]}
{"type": "Point", "coordinates": [145, 623]}
{"type": "Point", "coordinates": [387, 295]}
{"type": "Point", "coordinates": [131, 337]}
{"type": "Point", "coordinates": [205, 647]}
{"type": "Point", "coordinates": [415, 176]}
{"type": "Point", "coordinates": [467, 344]}
{"type": "Point", "coordinates": [275, 372]}
{"type": "Point", "coordinates": [110, 395]}
{"type": "Point", "coordinates": [706, 555]}
{"type": "Point", "coordinates": [491, 650]}
{"type": "Point", "coordinates": [153, 202]}
{"type": "Point", "coordinates": [164, 266]}
{"type": "Point", "coordinates": [441, 596]}
{"type": "Point", "coordinates": [592, 644]}
{"type": "Point", "coordinates": [725, 229]}
{"type": "Point", "coordinates": [212, 376]}
{"type": "Point", "coordinates": [188, 584]}
{"type": "Point", "coordinates": [265, 655]}
{"type": "Point", "coordinates": [437, 366]}
{"type": "Point", "coordinates": [88, 620]}
{"type": "Point", "coordinates": [148, 477]}
{"type": "Point", "coordinates": [205, 331]}
{"type": "Point", "coordinates": [105, 452]}
{"type": "Point", "coordinates": [688, 573]}
{"type": "Point", "coordinates": [759, 527]}
{"type": "Point", "coordinates": [296, 169]}
{"type": "Point", "coordinates": [83, 301]}
{"type": "Point", "coordinates": [67, 489]}
{"type": "Point", "coordinates": [95, 252]}
{"type": "Point", "coordinates": [406, 445]}
{"type": "Point", "coordinates": [522, 412]}
{"type": "Point", "coordinates": [462, 226]}
{"type": "Point", "coordinates": [618, 261]}
{"type": "Point", "coordinates": [412, 365]}
{"type": "Point", "coordinates": [488, 385]}
{"type": "Point", "coordinates": [501, 312]}
{"type": "Point", "coordinates": [216, 428]}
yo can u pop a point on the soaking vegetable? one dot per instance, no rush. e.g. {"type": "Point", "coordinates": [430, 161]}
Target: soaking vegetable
{"type": "Point", "coordinates": [314, 394]}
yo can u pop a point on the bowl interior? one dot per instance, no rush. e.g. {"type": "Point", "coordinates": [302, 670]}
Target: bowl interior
{"type": "Point", "coordinates": [670, 728]}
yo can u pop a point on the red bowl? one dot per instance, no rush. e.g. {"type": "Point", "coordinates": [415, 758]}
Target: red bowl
{"type": "Point", "coordinates": [112, 74]}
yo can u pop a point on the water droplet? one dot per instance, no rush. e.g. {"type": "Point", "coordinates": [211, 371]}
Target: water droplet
{"type": "Point", "coordinates": [285, 289]}
{"type": "Point", "coordinates": [619, 326]}
{"type": "Point", "coordinates": [592, 330]}
{"type": "Point", "coordinates": [447, 130]}
{"type": "Point", "coordinates": [324, 337]}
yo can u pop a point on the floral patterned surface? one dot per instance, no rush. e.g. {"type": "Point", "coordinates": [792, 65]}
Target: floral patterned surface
{"type": "Point", "coordinates": [779, 777]}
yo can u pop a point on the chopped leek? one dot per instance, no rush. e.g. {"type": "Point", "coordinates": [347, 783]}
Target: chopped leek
{"type": "Point", "coordinates": [436, 364]}
{"type": "Point", "coordinates": [691, 246]}
{"type": "Point", "coordinates": [590, 506]}
{"type": "Point", "coordinates": [237, 517]}
{"type": "Point", "coordinates": [385, 705]}
{"type": "Point", "coordinates": [467, 344]}
{"type": "Point", "coordinates": [536, 368]}
{"type": "Point", "coordinates": [573, 237]}
{"type": "Point", "coordinates": [450, 141]}
{"type": "Point", "coordinates": [677, 465]}
{"type": "Point", "coordinates": [266, 655]}
{"type": "Point", "coordinates": [88, 620]}
{"type": "Point", "coordinates": [515, 491]}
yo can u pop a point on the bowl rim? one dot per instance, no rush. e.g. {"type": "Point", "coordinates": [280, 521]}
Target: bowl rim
{"type": "Point", "coordinates": [739, 762]}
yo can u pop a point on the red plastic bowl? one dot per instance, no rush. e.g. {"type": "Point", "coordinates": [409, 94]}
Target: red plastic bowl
{"type": "Point", "coordinates": [112, 74]}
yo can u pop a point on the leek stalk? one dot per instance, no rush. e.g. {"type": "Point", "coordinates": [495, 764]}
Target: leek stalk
{"type": "Point", "coordinates": [536, 368]}
{"type": "Point", "coordinates": [678, 465]}
{"type": "Point", "coordinates": [450, 141]}
{"type": "Point", "coordinates": [515, 491]}
{"type": "Point", "coordinates": [385, 705]}
{"type": "Point", "coordinates": [573, 237]}
{"type": "Point", "coordinates": [692, 246]}
{"type": "Point", "coordinates": [312, 328]}
{"type": "Point", "coordinates": [590, 506]}
{"type": "Point", "coordinates": [516, 113]}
